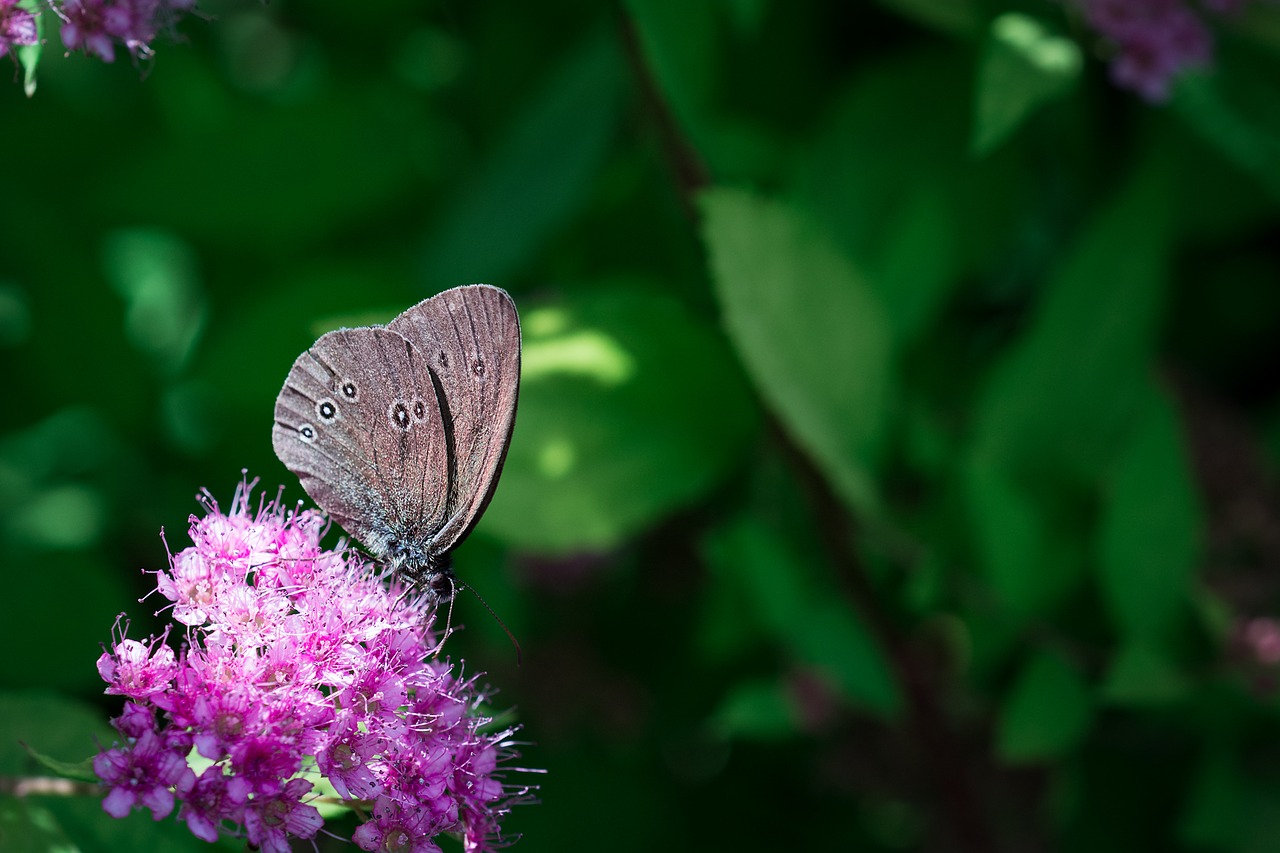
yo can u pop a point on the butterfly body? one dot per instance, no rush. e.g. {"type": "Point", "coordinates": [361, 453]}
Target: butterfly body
{"type": "Point", "coordinates": [399, 432]}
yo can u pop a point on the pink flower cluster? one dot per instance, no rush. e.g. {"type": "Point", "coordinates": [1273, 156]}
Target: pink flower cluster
{"type": "Point", "coordinates": [300, 667]}
{"type": "Point", "coordinates": [17, 26]}
{"type": "Point", "coordinates": [94, 26]}
{"type": "Point", "coordinates": [1155, 40]}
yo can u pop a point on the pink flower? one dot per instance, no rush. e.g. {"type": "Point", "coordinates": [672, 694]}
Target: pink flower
{"type": "Point", "coordinates": [17, 26]}
{"type": "Point", "coordinates": [1154, 40]}
{"type": "Point", "coordinates": [83, 28]}
{"type": "Point", "coordinates": [1262, 635]}
{"type": "Point", "coordinates": [95, 26]}
{"type": "Point", "coordinates": [136, 670]}
{"type": "Point", "coordinates": [216, 797]}
{"type": "Point", "coordinates": [147, 774]}
{"type": "Point", "coordinates": [270, 820]}
{"type": "Point", "coordinates": [347, 761]}
{"type": "Point", "coordinates": [396, 828]}
{"type": "Point", "coordinates": [298, 663]}
{"type": "Point", "coordinates": [136, 721]}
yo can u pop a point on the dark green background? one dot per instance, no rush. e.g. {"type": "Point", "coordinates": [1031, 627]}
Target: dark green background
{"type": "Point", "coordinates": [895, 464]}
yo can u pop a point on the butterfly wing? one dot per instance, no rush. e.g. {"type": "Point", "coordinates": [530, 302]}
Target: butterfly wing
{"type": "Point", "coordinates": [471, 336]}
{"type": "Point", "coordinates": [360, 421]}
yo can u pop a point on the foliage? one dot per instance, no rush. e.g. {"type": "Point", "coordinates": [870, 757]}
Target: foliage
{"type": "Point", "coordinates": [899, 424]}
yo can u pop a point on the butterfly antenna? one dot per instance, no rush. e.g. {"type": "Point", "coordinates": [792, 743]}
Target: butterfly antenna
{"type": "Point", "coordinates": [503, 625]}
{"type": "Point", "coordinates": [448, 617]}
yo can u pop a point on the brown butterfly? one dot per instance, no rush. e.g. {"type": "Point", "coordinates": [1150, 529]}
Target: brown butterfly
{"type": "Point", "coordinates": [399, 432]}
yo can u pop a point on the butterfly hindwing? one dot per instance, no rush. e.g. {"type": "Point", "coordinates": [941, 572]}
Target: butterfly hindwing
{"type": "Point", "coordinates": [471, 337]}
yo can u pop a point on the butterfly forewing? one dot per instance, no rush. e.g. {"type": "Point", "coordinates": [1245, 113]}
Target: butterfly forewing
{"type": "Point", "coordinates": [471, 337]}
{"type": "Point", "coordinates": [359, 421]}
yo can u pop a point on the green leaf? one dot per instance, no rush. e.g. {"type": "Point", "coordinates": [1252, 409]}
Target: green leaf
{"type": "Point", "coordinates": [986, 640]}
{"type": "Point", "coordinates": [681, 48]}
{"type": "Point", "coordinates": [94, 831]}
{"type": "Point", "coordinates": [753, 557]}
{"type": "Point", "coordinates": [629, 408]}
{"type": "Point", "coordinates": [28, 55]}
{"type": "Point", "coordinates": [1023, 66]}
{"type": "Point", "coordinates": [269, 178]}
{"type": "Point", "coordinates": [1150, 528]}
{"type": "Point", "coordinates": [537, 177]}
{"type": "Point", "coordinates": [334, 293]}
{"type": "Point", "coordinates": [956, 17]}
{"type": "Point", "coordinates": [1259, 829]}
{"type": "Point", "coordinates": [1141, 674]}
{"type": "Point", "coordinates": [1046, 714]}
{"type": "Point", "coordinates": [155, 273]}
{"type": "Point", "coordinates": [761, 710]}
{"type": "Point", "coordinates": [39, 724]}
{"type": "Point", "coordinates": [746, 15]}
{"type": "Point", "coordinates": [28, 827]}
{"type": "Point", "coordinates": [1064, 397]}
{"type": "Point", "coordinates": [80, 771]}
{"type": "Point", "coordinates": [895, 188]}
{"type": "Point", "coordinates": [1214, 812]}
{"type": "Point", "coordinates": [834, 641]}
{"type": "Point", "coordinates": [804, 613]}
{"type": "Point", "coordinates": [61, 727]}
{"type": "Point", "coordinates": [1233, 109]}
{"type": "Point", "coordinates": [917, 262]}
{"type": "Point", "coordinates": [68, 655]}
{"type": "Point", "coordinates": [808, 328]}
{"type": "Point", "coordinates": [1024, 555]}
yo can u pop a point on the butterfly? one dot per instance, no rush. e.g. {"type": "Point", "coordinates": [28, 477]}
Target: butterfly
{"type": "Point", "coordinates": [399, 432]}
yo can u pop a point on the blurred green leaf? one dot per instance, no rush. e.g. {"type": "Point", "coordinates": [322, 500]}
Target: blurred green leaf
{"type": "Point", "coordinates": [253, 176]}
{"type": "Point", "coordinates": [629, 408]}
{"type": "Point", "coordinates": [809, 330]}
{"type": "Point", "coordinates": [1150, 527]}
{"type": "Point", "coordinates": [779, 586]}
{"type": "Point", "coordinates": [1141, 674]}
{"type": "Point", "coordinates": [1215, 808]}
{"type": "Point", "coordinates": [30, 606]}
{"type": "Point", "coordinates": [155, 273]}
{"type": "Point", "coordinates": [1063, 399]}
{"type": "Point", "coordinates": [1260, 819]}
{"type": "Point", "coordinates": [28, 55]}
{"type": "Point", "coordinates": [1023, 66]}
{"type": "Point", "coordinates": [59, 727]}
{"type": "Point", "coordinates": [986, 641]}
{"type": "Point", "coordinates": [50, 724]}
{"type": "Point", "coordinates": [61, 517]}
{"type": "Point", "coordinates": [681, 47]}
{"type": "Point", "coordinates": [81, 771]}
{"type": "Point", "coordinates": [59, 506]}
{"type": "Point", "coordinates": [760, 709]}
{"type": "Point", "coordinates": [94, 831]}
{"type": "Point", "coordinates": [916, 265]}
{"type": "Point", "coordinates": [804, 613]}
{"type": "Point", "coordinates": [1047, 713]}
{"type": "Point", "coordinates": [28, 827]}
{"type": "Point", "coordinates": [15, 315]}
{"type": "Point", "coordinates": [536, 176]}
{"type": "Point", "coordinates": [746, 15]}
{"type": "Point", "coordinates": [957, 17]}
{"type": "Point", "coordinates": [189, 416]}
{"type": "Point", "coordinates": [1234, 109]}
{"type": "Point", "coordinates": [898, 191]}
{"type": "Point", "coordinates": [1027, 558]}
{"type": "Point", "coordinates": [831, 638]}
{"type": "Point", "coordinates": [291, 312]}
